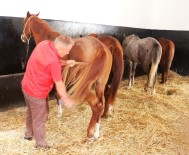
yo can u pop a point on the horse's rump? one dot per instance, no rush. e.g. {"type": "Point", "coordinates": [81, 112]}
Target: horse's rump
{"type": "Point", "coordinates": [82, 77]}
{"type": "Point", "coordinates": [168, 50]}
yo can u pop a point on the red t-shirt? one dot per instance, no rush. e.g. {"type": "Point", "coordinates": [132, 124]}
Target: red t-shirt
{"type": "Point", "coordinates": [43, 69]}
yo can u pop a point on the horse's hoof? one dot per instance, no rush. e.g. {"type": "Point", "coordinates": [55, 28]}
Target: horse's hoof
{"type": "Point", "coordinates": [59, 115]}
{"type": "Point", "coordinates": [162, 82]}
{"type": "Point", "coordinates": [96, 135]}
{"type": "Point", "coordinates": [105, 116]}
{"type": "Point", "coordinates": [154, 93]}
{"type": "Point", "coordinates": [90, 139]}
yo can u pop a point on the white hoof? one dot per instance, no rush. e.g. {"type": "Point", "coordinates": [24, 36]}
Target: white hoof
{"type": "Point", "coordinates": [110, 109]}
{"type": "Point", "coordinates": [154, 92]}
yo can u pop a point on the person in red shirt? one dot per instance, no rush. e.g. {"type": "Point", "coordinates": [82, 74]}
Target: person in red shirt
{"type": "Point", "coordinates": [42, 72]}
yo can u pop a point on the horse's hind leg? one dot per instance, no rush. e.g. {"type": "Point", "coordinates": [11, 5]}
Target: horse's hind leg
{"type": "Point", "coordinates": [130, 74]}
{"type": "Point", "coordinates": [163, 77]}
{"type": "Point", "coordinates": [96, 104]}
{"type": "Point", "coordinates": [167, 70]}
{"type": "Point", "coordinates": [107, 106]}
{"type": "Point", "coordinates": [146, 69]}
{"type": "Point", "coordinates": [133, 72]}
{"type": "Point", "coordinates": [166, 76]}
{"type": "Point", "coordinates": [162, 68]}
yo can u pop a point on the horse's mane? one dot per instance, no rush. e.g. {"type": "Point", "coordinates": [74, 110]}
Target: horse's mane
{"type": "Point", "coordinates": [45, 24]}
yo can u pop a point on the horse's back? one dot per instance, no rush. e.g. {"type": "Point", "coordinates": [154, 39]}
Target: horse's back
{"type": "Point", "coordinates": [111, 42]}
{"type": "Point", "coordinates": [144, 50]}
{"type": "Point", "coordinates": [149, 42]}
{"type": "Point", "coordinates": [85, 49]}
{"type": "Point", "coordinates": [107, 40]}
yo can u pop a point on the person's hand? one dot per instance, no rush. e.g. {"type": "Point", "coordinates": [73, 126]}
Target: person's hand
{"type": "Point", "coordinates": [71, 63]}
{"type": "Point", "coordinates": [69, 102]}
{"type": "Point", "coordinates": [63, 62]}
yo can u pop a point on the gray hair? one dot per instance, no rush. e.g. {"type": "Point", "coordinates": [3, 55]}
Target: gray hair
{"type": "Point", "coordinates": [64, 40]}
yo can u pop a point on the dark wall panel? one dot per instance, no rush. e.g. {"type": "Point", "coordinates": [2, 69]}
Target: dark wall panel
{"type": "Point", "coordinates": [10, 90]}
{"type": "Point", "coordinates": [11, 47]}
{"type": "Point", "coordinates": [181, 39]}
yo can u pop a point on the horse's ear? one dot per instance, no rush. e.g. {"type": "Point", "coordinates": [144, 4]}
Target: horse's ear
{"type": "Point", "coordinates": [37, 14]}
{"type": "Point", "coordinates": [28, 14]}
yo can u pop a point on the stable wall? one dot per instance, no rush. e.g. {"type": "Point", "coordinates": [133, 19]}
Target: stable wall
{"type": "Point", "coordinates": [144, 18]}
{"type": "Point", "coordinates": [12, 50]}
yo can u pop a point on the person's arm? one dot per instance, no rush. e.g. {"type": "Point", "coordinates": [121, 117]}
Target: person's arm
{"type": "Point", "coordinates": [61, 89]}
{"type": "Point", "coordinates": [68, 62]}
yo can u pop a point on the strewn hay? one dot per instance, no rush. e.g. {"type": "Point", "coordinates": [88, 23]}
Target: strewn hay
{"type": "Point", "coordinates": [140, 124]}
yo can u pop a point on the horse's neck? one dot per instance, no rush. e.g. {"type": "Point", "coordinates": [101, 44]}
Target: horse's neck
{"type": "Point", "coordinates": [42, 31]}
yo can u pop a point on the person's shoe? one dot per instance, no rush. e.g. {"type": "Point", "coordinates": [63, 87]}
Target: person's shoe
{"type": "Point", "coordinates": [42, 147]}
{"type": "Point", "coordinates": [28, 138]}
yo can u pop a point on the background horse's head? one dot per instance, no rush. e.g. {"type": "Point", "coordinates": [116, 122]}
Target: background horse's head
{"type": "Point", "coordinates": [27, 33]}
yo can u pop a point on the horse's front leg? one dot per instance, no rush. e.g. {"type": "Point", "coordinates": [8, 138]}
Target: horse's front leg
{"type": "Point", "coordinates": [59, 103]}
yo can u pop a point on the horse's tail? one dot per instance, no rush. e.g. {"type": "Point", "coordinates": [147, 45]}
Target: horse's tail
{"type": "Point", "coordinates": [85, 77]}
{"type": "Point", "coordinates": [156, 57]}
{"type": "Point", "coordinates": [169, 54]}
{"type": "Point", "coordinates": [116, 72]}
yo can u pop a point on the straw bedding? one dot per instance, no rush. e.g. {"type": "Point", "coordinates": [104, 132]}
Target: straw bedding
{"type": "Point", "coordinates": [141, 124]}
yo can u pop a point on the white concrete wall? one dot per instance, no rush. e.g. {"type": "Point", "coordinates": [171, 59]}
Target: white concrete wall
{"type": "Point", "coordinates": [149, 14]}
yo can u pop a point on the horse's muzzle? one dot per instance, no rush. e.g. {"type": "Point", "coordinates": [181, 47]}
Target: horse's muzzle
{"type": "Point", "coordinates": [23, 38]}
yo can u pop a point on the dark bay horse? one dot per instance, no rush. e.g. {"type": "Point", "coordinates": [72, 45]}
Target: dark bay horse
{"type": "Point", "coordinates": [146, 52]}
{"type": "Point", "coordinates": [90, 86]}
{"type": "Point", "coordinates": [116, 71]}
{"type": "Point", "coordinates": [168, 50]}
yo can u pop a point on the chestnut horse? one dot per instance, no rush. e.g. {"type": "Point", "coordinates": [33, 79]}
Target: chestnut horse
{"type": "Point", "coordinates": [87, 83]}
{"type": "Point", "coordinates": [147, 52]}
{"type": "Point", "coordinates": [116, 72]}
{"type": "Point", "coordinates": [168, 50]}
